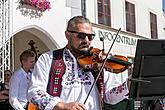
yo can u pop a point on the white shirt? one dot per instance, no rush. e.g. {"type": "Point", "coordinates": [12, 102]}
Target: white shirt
{"type": "Point", "coordinates": [73, 92]}
{"type": "Point", "coordinates": [18, 89]}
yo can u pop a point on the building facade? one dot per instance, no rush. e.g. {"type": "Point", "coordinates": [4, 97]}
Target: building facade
{"type": "Point", "coordinates": [138, 19]}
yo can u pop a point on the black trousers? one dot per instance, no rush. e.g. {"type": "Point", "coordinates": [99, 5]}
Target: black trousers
{"type": "Point", "coordinates": [152, 105]}
{"type": "Point", "coordinates": [5, 106]}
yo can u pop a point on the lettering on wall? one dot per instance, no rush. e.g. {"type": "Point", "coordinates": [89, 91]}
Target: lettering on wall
{"type": "Point", "coordinates": [123, 39]}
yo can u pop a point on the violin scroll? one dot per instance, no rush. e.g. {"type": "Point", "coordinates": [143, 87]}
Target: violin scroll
{"type": "Point", "coordinates": [33, 48]}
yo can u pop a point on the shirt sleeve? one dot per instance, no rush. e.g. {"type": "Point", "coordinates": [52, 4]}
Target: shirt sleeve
{"type": "Point", "coordinates": [37, 92]}
{"type": "Point", "coordinates": [115, 91]}
{"type": "Point", "coordinates": [13, 93]}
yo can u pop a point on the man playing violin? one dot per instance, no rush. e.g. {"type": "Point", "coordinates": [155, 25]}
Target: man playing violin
{"type": "Point", "coordinates": [60, 83]}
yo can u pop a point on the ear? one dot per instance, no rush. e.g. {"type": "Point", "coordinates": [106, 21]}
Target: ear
{"type": "Point", "coordinates": [67, 34]}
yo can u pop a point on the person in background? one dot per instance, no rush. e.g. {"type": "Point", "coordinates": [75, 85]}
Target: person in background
{"type": "Point", "coordinates": [4, 91]}
{"type": "Point", "coordinates": [59, 82]}
{"type": "Point", "coordinates": [19, 81]}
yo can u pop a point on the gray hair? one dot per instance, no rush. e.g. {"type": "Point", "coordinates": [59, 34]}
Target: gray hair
{"type": "Point", "coordinates": [72, 23]}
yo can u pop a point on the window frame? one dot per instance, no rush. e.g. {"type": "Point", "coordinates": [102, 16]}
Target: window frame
{"type": "Point", "coordinates": [106, 17]}
{"type": "Point", "coordinates": [130, 17]}
{"type": "Point", "coordinates": [153, 26]}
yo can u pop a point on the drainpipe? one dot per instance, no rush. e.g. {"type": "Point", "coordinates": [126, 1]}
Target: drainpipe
{"type": "Point", "coordinates": [83, 7]}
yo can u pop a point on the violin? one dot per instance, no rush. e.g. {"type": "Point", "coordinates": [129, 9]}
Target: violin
{"type": "Point", "coordinates": [31, 106]}
{"type": "Point", "coordinates": [115, 63]}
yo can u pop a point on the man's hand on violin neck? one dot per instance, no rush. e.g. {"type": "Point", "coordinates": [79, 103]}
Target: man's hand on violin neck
{"type": "Point", "coordinates": [69, 106]}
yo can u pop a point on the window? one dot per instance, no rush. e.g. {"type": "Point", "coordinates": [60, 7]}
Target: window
{"type": "Point", "coordinates": [130, 17]}
{"type": "Point", "coordinates": [153, 26]}
{"type": "Point", "coordinates": [104, 12]}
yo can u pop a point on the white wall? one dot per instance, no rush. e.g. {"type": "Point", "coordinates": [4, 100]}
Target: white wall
{"type": "Point", "coordinates": [142, 9]}
{"type": "Point", "coordinates": [52, 21]}
{"type": "Point", "coordinates": [117, 14]}
{"type": "Point", "coordinates": [91, 7]}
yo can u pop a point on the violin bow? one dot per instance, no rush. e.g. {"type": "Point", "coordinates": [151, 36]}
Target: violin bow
{"type": "Point", "coordinates": [102, 66]}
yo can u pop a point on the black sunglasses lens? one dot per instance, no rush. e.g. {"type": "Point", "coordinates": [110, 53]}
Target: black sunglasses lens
{"type": "Point", "coordinates": [90, 37]}
{"type": "Point", "coordinates": [83, 36]}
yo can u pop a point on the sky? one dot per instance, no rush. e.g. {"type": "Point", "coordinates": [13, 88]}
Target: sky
{"type": "Point", "coordinates": [164, 5]}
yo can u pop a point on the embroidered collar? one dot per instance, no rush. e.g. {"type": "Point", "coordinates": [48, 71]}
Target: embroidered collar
{"type": "Point", "coordinates": [74, 74]}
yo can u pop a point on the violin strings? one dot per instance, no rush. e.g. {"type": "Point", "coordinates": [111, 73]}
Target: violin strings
{"type": "Point", "coordinates": [102, 66]}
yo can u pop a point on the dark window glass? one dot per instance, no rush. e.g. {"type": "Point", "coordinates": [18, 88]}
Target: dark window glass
{"type": "Point", "coordinates": [104, 12]}
{"type": "Point", "coordinates": [130, 17]}
{"type": "Point", "coordinates": [153, 26]}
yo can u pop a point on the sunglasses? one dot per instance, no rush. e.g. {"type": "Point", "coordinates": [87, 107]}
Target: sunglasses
{"type": "Point", "coordinates": [83, 35]}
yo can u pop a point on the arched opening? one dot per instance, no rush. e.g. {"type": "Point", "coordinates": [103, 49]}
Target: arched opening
{"type": "Point", "coordinates": [20, 41]}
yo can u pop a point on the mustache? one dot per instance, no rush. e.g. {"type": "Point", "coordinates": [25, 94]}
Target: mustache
{"type": "Point", "coordinates": [84, 45]}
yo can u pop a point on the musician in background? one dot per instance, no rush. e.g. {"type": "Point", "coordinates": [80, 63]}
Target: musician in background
{"type": "Point", "coordinates": [20, 79]}
{"type": "Point", "coordinates": [59, 82]}
{"type": "Point", "coordinates": [4, 91]}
